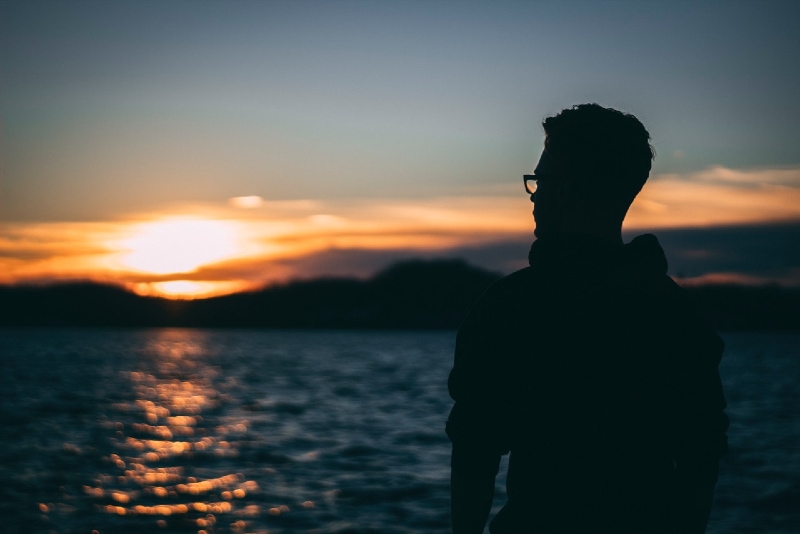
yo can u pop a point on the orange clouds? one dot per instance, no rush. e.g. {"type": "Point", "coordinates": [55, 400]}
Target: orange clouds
{"type": "Point", "coordinates": [212, 249]}
{"type": "Point", "coordinates": [247, 202]}
{"type": "Point", "coordinates": [55, 250]}
{"type": "Point", "coordinates": [717, 196]}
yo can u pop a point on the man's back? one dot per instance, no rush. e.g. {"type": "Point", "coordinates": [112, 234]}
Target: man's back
{"type": "Point", "coordinates": [594, 371]}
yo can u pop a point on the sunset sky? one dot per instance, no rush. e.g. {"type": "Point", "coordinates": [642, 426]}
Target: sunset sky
{"type": "Point", "coordinates": [190, 148]}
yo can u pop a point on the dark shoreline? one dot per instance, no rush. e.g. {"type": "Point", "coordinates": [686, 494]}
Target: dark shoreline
{"type": "Point", "coordinates": [410, 295]}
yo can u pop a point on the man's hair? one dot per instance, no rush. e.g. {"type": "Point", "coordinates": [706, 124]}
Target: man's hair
{"type": "Point", "coordinates": [607, 152]}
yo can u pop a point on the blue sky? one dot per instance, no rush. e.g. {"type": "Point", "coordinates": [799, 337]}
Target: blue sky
{"type": "Point", "coordinates": [117, 109]}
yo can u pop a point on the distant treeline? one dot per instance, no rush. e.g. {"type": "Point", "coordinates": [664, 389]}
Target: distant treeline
{"type": "Point", "coordinates": [412, 294]}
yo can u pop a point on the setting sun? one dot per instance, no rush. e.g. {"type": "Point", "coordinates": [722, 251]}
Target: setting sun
{"type": "Point", "coordinates": [179, 245]}
{"type": "Point", "coordinates": [187, 289]}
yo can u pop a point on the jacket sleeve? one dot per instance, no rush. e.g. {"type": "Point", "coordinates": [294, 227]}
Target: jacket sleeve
{"type": "Point", "coordinates": [701, 433]}
{"type": "Point", "coordinates": [699, 424]}
{"type": "Point", "coordinates": [702, 439]}
{"type": "Point", "coordinates": [476, 423]}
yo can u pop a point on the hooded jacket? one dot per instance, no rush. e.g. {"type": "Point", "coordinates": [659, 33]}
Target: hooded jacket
{"type": "Point", "coordinates": [595, 371]}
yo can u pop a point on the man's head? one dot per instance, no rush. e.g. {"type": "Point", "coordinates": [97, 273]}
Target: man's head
{"type": "Point", "coordinates": [595, 162]}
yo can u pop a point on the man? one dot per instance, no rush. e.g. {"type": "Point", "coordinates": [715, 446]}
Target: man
{"type": "Point", "coordinates": [590, 366]}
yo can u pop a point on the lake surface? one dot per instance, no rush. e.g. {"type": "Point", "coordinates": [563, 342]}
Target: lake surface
{"type": "Point", "coordinates": [212, 431]}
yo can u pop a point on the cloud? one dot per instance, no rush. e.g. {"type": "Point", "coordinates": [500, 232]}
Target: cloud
{"type": "Point", "coordinates": [717, 196]}
{"type": "Point", "coordinates": [247, 202]}
{"type": "Point", "coordinates": [752, 178]}
{"type": "Point", "coordinates": [53, 251]}
{"type": "Point", "coordinates": [719, 221]}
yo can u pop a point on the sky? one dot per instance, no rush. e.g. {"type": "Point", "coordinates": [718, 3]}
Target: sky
{"type": "Point", "coordinates": [193, 148]}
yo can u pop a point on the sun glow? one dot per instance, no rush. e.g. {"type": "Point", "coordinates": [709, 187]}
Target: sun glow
{"type": "Point", "coordinates": [188, 289]}
{"type": "Point", "coordinates": [179, 245]}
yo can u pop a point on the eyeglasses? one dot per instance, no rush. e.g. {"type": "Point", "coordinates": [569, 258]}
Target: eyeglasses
{"type": "Point", "coordinates": [531, 183]}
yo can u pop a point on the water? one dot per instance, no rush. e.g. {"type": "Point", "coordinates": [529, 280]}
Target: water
{"type": "Point", "coordinates": [181, 430]}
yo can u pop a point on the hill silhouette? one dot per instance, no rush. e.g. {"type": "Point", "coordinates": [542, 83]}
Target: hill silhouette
{"type": "Point", "coordinates": [416, 294]}
{"type": "Point", "coordinates": [410, 294]}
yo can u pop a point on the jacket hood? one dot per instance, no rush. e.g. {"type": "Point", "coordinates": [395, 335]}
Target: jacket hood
{"type": "Point", "coordinates": [644, 253]}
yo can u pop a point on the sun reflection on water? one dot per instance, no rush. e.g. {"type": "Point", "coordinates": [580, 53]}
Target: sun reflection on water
{"type": "Point", "coordinates": [164, 440]}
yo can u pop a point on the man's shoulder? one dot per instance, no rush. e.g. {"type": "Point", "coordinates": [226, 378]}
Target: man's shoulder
{"type": "Point", "coordinates": [502, 297]}
{"type": "Point", "coordinates": [515, 278]}
{"type": "Point", "coordinates": [510, 284]}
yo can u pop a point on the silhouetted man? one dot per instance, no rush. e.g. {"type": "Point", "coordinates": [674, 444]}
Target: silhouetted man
{"type": "Point", "coordinates": [590, 366]}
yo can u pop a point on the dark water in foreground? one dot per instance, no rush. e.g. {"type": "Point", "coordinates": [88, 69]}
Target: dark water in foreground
{"type": "Point", "coordinates": [211, 431]}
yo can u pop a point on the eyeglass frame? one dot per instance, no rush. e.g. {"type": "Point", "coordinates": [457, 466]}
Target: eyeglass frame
{"type": "Point", "coordinates": [528, 178]}
{"type": "Point", "coordinates": [544, 168]}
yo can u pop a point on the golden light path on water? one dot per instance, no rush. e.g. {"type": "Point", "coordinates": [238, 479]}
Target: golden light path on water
{"type": "Point", "coordinates": [163, 435]}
